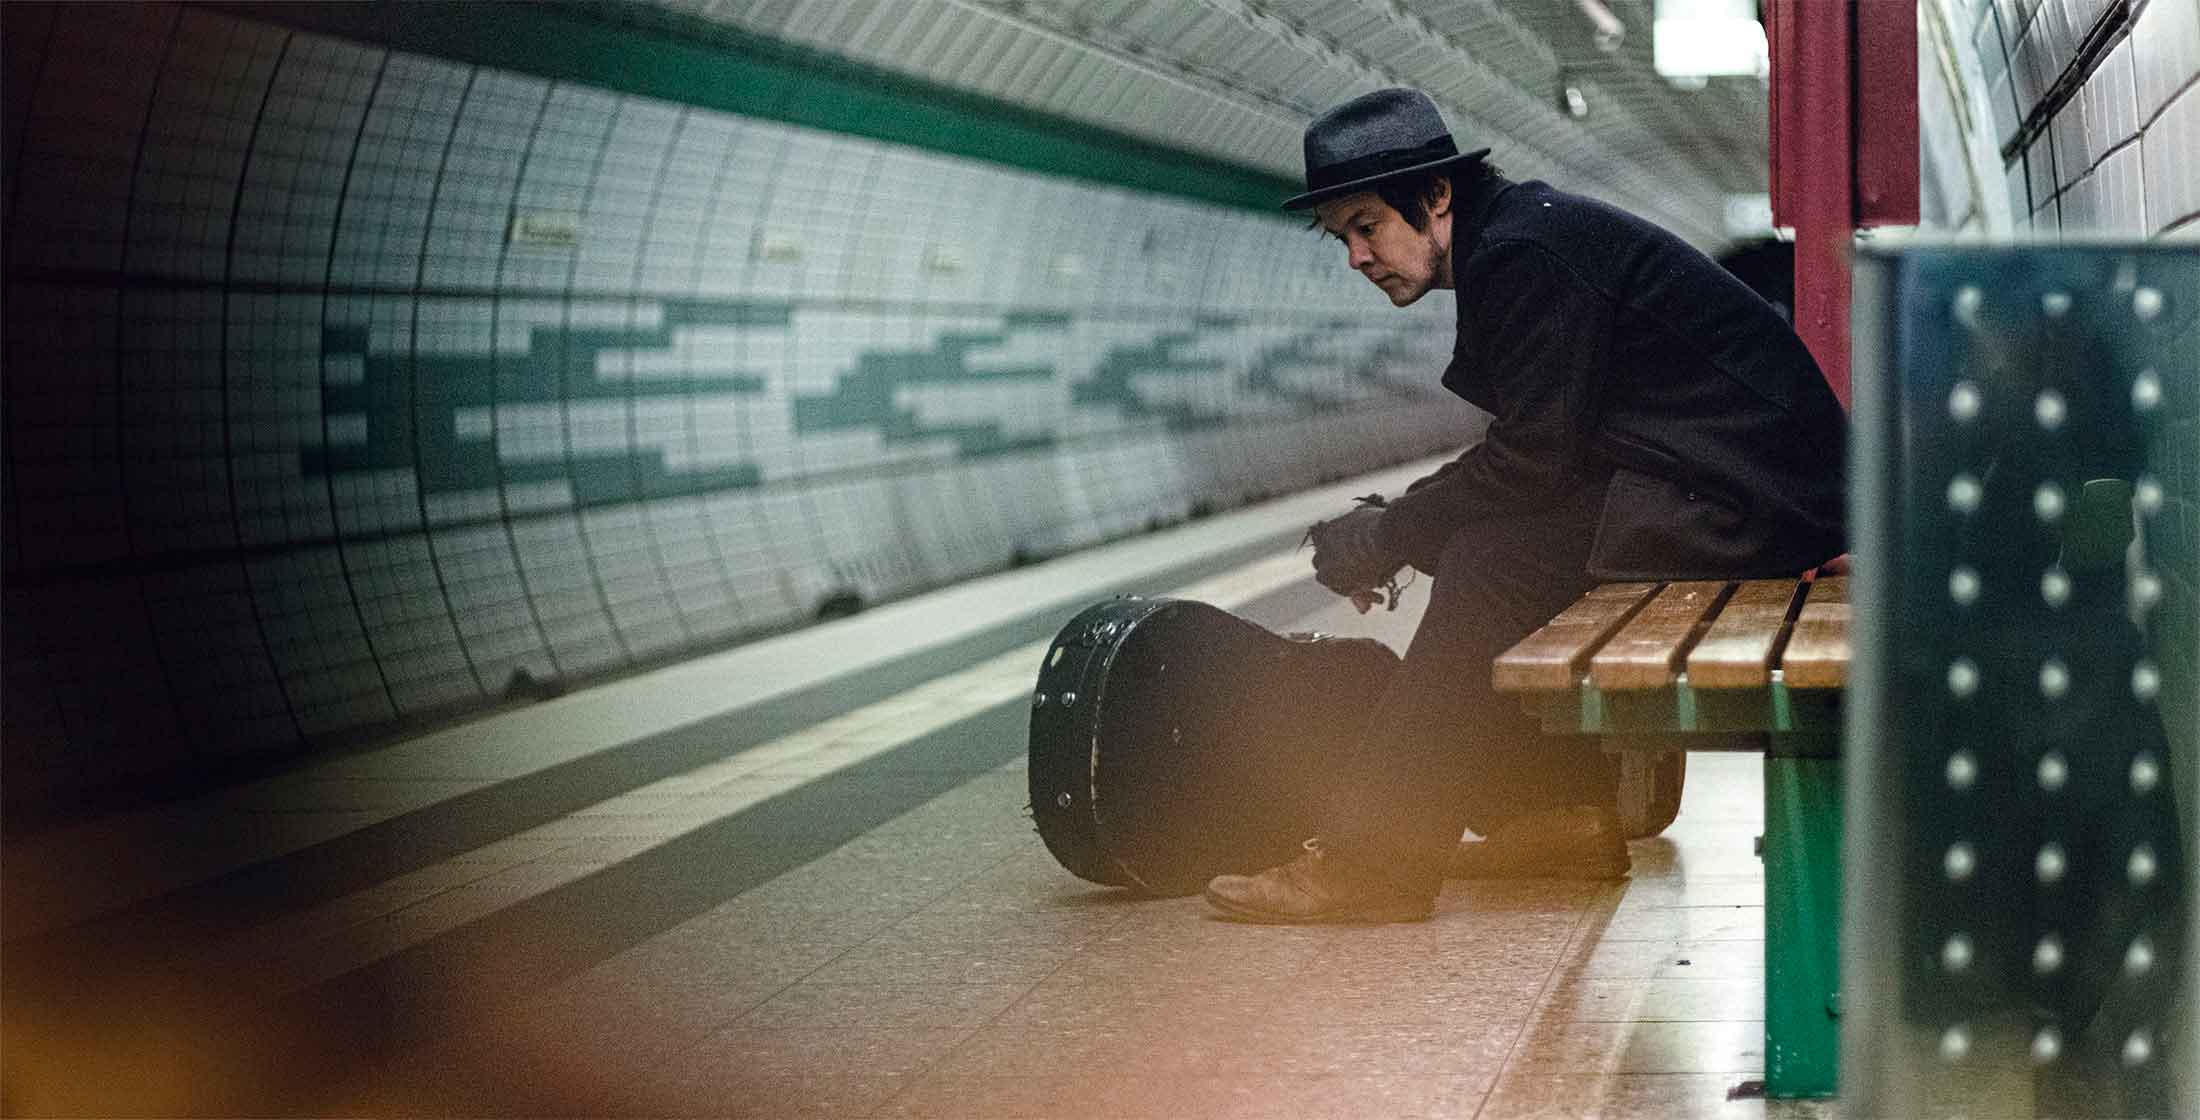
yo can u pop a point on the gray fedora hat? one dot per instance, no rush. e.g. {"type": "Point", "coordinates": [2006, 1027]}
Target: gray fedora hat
{"type": "Point", "coordinates": [1371, 138]}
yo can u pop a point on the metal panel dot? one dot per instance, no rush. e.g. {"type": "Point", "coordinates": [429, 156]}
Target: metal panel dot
{"type": "Point", "coordinates": [2139, 958]}
{"type": "Point", "coordinates": [2050, 409]}
{"type": "Point", "coordinates": [1962, 770]}
{"type": "Point", "coordinates": [2146, 303]}
{"type": "Point", "coordinates": [1964, 402]}
{"type": "Point", "coordinates": [1967, 304]}
{"type": "Point", "coordinates": [2146, 496]}
{"type": "Point", "coordinates": [1955, 953]}
{"type": "Point", "coordinates": [1955, 1043]}
{"type": "Point", "coordinates": [2051, 863]}
{"type": "Point", "coordinates": [1963, 585]}
{"type": "Point", "coordinates": [2146, 773]}
{"type": "Point", "coordinates": [1960, 861]}
{"type": "Point", "coordinates": [2146, 590]}
{"type": "Point", "coordinates": [2146, 391]}
{"type": "Point", "coordinates": [2138, 1047]}
{"type": "Point", "coordinates": [2055, 587]}
{"type": "Point", "coordinates": [2053, 771]}
{"type": "Point", "coordinates": [1962, 678]}
{"type": "Point", "coordinates": [2141, 866]}
{"type": "Point", "coordinates": [2047, 956]}
{"type": "Point", "coordinates": [2046, 1046]}
{"type": "Point", "coordinates": [2054, 678]}
{"type": "Point", "coordinates": [2048, 502]}
{"type": "Point", "coordinates": [2146, 680]}
{"type": "Point", "coordinates": [1964, 493]}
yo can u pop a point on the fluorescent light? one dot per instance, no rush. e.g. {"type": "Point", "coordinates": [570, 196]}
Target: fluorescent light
{"type": "Point", "coordinates": [1607, 32]}
{"type": "Point", "coordinates": [1749, 215]}
{"type": "Point", "coordinates": [1708, 39]}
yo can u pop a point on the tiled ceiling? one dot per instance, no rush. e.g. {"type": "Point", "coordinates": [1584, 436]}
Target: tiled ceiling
{"type": "Point", "coordinates": [1239, 79]}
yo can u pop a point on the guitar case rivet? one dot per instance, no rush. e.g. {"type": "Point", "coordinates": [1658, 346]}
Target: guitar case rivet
{"type": "Point", "coordinates": [1062, 801]}
{"type": "Point", "coordinates": [1068, 698]}
{"type": "Point", "coordinates": [1039, 701]}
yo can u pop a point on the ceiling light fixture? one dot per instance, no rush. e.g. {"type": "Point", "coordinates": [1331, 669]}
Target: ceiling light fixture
{"type": "Point", "coordinates": [1607, 31]}
{"type": "Point", "coordinates": [1571, 100]}
{"type": "Point", "coordinates": [1696, 40]}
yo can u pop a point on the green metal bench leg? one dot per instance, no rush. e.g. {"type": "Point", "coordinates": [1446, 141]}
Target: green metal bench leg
{"type": "Point", "coordinates": [1802, 856]}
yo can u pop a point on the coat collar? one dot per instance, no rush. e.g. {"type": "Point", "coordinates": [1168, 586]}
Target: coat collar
{"type": "Point", "coordinates": [1466, 230]}
{"type": "Point", "coordinates": [1473, 215]}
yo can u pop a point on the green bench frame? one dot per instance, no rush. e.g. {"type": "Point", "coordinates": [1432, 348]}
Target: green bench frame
{"type": "Point", "coordinates": [1798, 730]}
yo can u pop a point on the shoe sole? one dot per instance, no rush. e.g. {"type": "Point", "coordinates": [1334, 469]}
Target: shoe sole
{"type": "Point", "coordinates": [1368, 916]}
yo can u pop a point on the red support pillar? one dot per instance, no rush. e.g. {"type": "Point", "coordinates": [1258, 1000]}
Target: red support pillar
{"type": "Point", "coordinates": [1844, 148]}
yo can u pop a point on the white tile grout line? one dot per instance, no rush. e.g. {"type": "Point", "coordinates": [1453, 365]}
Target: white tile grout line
{"type": "Point", "coordinates": [76, 872]}
{"type": "Point", "coordinates": [345, 933]}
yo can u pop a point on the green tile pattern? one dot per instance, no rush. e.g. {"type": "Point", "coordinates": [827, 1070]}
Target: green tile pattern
{"type": "Point", "coordinates": [410, 401]}
{"type": "Point", "coordinates": [1306, 351]}
{"type": "Point", "coordinates": [865, 396]}
{"type": "Point", "coordinates": [1114, 380]}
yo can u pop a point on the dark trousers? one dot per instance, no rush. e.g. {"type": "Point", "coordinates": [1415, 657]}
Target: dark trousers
{"type": "Point", "coordinates": [1443, 750]}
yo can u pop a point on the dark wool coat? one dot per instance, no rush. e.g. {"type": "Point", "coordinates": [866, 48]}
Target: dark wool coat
{"type": "Point", "coordinates": [1599, 341]}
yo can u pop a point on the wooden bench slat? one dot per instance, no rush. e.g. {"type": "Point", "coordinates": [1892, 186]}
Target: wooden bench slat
{"type": "Point", "coordinates": [1818, 655]}
{"type": "Point", "coordinates": [1646, 653]}
{"type": "Point", "coordinates": [1737, 651]}
{"type": "Point", "coordinates": [1553, 658]}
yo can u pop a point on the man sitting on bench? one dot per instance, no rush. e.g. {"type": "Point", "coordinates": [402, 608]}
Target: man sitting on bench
{"type": "Point", "coordinates": [1652, 418]}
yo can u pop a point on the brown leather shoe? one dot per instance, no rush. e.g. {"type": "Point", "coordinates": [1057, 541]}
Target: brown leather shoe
{"type": "Point", "coordinates": [1576, 843]}
{"type": "Point", "coordinates": [1315, 888]}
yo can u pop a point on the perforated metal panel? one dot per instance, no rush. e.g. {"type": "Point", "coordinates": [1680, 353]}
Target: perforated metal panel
{"type": "Point", "coordinates": [2023, 723]}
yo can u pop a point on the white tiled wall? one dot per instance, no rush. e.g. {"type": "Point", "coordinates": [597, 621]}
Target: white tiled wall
{"type": "Point", "coordinates": [288, 399]}
{"type": "Point", "coordinates": [2119, 158]}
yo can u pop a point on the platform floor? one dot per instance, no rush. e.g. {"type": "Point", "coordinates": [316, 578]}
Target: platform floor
{"type": "Point", "coordinates": [621, 904]}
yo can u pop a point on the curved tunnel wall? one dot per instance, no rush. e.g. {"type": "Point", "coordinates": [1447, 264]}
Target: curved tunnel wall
{"type": "Point", "coordinates": [346, 384]}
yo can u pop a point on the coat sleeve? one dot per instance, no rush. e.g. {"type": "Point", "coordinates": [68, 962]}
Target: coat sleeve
{"type": "Point", "coordinates": [1542, 339]}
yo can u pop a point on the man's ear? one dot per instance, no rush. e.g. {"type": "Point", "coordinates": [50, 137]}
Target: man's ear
{"type": "Point", "coordinates": [1439, 197]}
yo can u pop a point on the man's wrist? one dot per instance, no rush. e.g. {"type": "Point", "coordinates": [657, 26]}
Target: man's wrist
{"type": "Point", "coordinates": [1388, 528]}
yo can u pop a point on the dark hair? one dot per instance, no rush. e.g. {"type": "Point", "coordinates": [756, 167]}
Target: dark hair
{"type": "Point", "coordinates": [1410, 195]}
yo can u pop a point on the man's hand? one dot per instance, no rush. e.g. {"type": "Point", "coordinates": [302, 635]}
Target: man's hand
{"type": "Point", "coordinates": [1349, 556]}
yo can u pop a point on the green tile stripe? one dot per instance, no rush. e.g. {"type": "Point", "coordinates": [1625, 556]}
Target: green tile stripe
{"type": "Point", "coordinates": [693, 61]}
{"type": "Point", "coordinates": [409, 402]}
{"type": "Point", "coordinates": [866, 397]}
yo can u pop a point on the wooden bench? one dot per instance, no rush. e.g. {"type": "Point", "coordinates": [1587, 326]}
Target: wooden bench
{"type": "Point", "coordinates": [1753, 665]}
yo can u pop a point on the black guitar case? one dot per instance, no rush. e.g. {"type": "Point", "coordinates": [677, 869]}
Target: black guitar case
{"type": "Point", "coordinates": [1172, 741]}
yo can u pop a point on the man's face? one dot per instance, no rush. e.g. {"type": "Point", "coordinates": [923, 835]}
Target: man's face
{"type": "Point", "coordinates": [1381, 245]}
